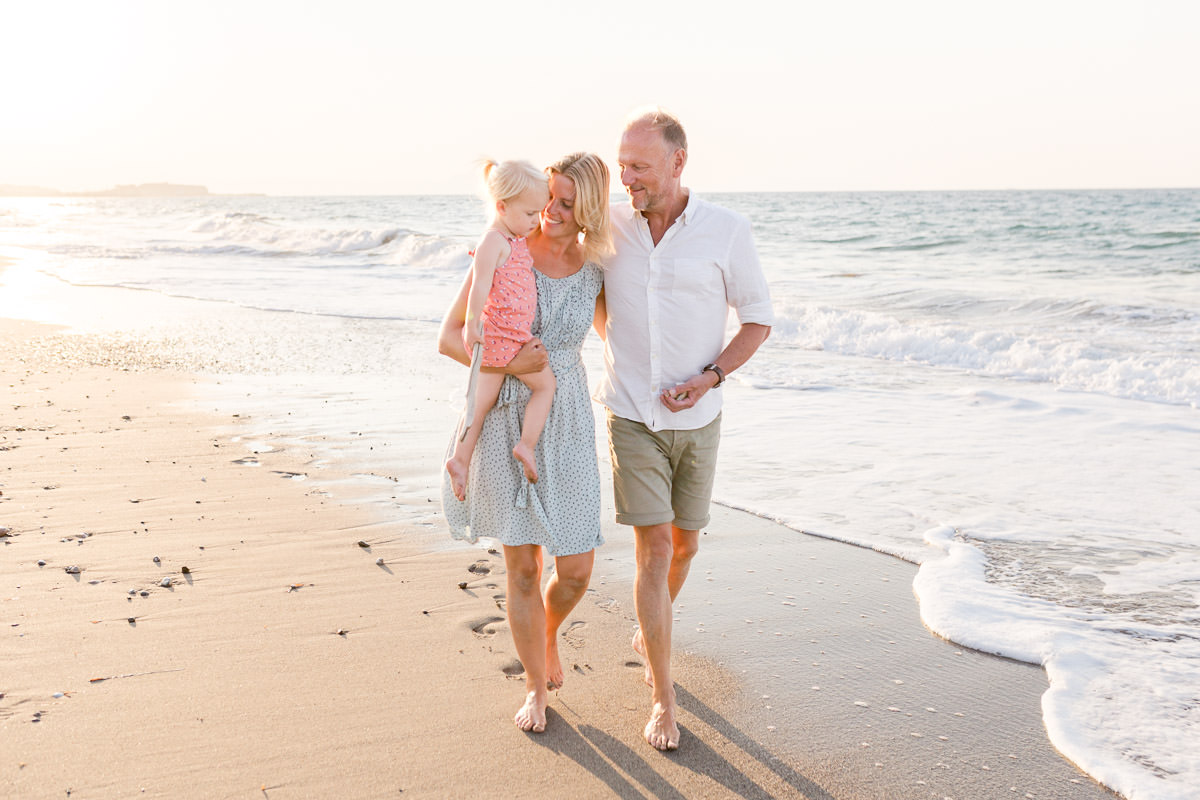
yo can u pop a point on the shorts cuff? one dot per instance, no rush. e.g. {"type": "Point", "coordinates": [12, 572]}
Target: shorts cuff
{"type": "Point", "coordinates": [691, 524]}
{"type": "Point", "coordinates": [644, 520]}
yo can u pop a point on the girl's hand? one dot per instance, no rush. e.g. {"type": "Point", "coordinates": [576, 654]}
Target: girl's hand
{"type": "Point", "coordinates": [471, 335]}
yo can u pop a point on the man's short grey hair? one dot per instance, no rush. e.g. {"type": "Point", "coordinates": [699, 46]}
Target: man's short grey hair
{"type": "Point", "coordinates": [663, 121]}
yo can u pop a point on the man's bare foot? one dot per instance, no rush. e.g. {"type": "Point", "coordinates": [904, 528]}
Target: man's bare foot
{"type": "Point", "coordinates": [458, 478]}
{"type": "Point", "coordinates": [554, 671]}
{"type": "Point", "coordinates": [639, 647]}
{"type": "Point", "coordinates": [532, 716]}
{"type": "Point", "coordinates": [661, 731]}
{"type": "Point", "coordinates": [524, 454]}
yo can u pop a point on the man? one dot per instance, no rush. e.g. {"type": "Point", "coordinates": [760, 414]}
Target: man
{"type": "Point", "coordinates": [681, 263]}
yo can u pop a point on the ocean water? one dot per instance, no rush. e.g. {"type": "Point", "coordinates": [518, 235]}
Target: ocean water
{"type": "Point", "coordinates": [1002, 387]}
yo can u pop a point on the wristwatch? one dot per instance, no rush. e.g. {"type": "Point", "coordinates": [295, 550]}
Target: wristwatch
{"type": "Point", "coordinates": [714, 368]}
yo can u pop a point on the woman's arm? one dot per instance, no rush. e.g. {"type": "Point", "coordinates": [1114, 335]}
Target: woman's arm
{"type": "Point", "coordinates": [600, 317]}
{"type": "Point", "coordinates": [450, 334]}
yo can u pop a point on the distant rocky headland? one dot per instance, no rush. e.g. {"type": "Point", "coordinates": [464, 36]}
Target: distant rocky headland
{"type": "Point", "coordinates": [130, 190]}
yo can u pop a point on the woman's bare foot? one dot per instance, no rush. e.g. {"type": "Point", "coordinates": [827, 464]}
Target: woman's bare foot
{"type": "Point", "coordinates": [524, 454]}
{"type": "Point", "coordinates": [640, 648]}
{"type": "Point", "coordinates": [661, 731]}
{"type": "Point", "coordinates": [532, 716]}
{"type": "Point", "coordinates": [554, 671]}
{"type": "Point", "coordinates": [458, 478]}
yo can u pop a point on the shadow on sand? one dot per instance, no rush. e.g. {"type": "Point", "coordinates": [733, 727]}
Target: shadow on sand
{"type": "Point", "coordinates": [632, 773]}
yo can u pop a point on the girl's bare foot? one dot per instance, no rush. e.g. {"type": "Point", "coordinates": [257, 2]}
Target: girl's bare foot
{"type": "Point", "coordinates": [554, 671]}
{"type": "Point", "coordinates": [661, 731]}
{"type": "Point", "coordinates": [458, 478]}
{"type": "Point", "coordinates": [532, 716]}
{"type": "Point", "coordinates": [524, 454]}
{"type": "Point", "coordinates": [640, 648]}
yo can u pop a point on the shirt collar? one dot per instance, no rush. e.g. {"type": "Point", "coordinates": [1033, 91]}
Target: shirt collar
{"type": "Point", "coordinates": [689, 210]}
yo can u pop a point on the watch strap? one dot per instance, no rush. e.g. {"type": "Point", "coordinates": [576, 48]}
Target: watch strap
{"type": "Point", "coordinates": [720, 373]}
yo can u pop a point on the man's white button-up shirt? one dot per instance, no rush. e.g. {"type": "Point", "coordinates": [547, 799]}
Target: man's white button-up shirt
{"type": "Point", "coordinates": [668, 305]}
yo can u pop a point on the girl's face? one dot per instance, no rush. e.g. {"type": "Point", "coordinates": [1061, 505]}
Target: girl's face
{"type": "Point", "coordinates": [521, 214]}
{"type": "Point", "coordinates": [558, 217]}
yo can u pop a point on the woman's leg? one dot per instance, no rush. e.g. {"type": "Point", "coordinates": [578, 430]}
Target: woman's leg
{"type": "Point", "coordinates": [564, 590]}
{"type": "Point", "coordinates": [527, 619]}
{"type": "Point", "coordinates": [536, 411]}
{"type": "Point", "coordinates": [487, 389]}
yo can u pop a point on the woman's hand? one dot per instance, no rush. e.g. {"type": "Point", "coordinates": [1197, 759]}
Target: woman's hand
{"type": "Point", "coordinates": [472, 336]}
{"type": "Point", "coordinates": [530, 358]}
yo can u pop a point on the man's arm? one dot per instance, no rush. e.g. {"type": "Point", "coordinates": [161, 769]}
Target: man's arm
{"type": "Point", "coordinates": [741, 347]}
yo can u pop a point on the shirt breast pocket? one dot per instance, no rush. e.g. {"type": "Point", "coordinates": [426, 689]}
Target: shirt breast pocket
{"type": "Point", "coordinates": [696, 277]}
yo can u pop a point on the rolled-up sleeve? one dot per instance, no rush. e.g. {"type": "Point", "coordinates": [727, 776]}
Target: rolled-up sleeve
{"type": "Point", "coordinates": [745, 285]}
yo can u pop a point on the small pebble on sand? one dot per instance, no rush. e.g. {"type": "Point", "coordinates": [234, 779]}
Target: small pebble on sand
{"type": "Point", "coordinates": [72, 570]}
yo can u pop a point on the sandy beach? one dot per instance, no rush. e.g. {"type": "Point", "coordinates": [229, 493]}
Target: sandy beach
{"type": "Point", "coordinates": [185, 618]}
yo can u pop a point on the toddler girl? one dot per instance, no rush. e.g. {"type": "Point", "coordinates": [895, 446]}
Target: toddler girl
{"type": "Point", "coordinates": [500, 307]}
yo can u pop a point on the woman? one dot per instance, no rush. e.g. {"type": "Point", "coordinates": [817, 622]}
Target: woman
{"type": "Point", "coordinates": [561, 512]}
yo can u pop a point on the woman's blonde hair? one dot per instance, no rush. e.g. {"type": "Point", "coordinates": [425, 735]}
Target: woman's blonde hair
{"type": "Point", "coordinates": [505, 180]}
{"type": "Point", "coordinates": [590, 176]}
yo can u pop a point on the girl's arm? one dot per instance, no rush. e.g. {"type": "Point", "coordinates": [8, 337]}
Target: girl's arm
{"type": "Point", "coordinates": [489, 254]}
{"type": "Point", "coordinates": [531, 357]}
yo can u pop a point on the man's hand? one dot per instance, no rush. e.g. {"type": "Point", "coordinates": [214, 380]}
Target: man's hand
{"type": "Point", "coordinates": [530, 358]}
{"type": "Point", "coordinates": [688, 393]}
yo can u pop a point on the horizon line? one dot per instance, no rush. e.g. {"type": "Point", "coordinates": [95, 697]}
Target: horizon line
{"type": "Point", "coordinates": [44, 192]}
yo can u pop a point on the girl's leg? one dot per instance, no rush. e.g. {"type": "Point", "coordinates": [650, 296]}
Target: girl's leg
{"type": "Point", "coordinates": [487, 389]}
{"type": "Point", "coordinates": [536, 411]}
{"type": "Point", "coordinates": [563, 592]}
{"type": "Point", "coordinates": [527, 619]}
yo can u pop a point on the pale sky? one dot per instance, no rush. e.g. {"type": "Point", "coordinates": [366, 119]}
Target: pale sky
{"type": "Point", "coordinates": [404, 97]}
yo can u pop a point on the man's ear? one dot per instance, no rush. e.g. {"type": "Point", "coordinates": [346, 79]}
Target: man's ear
{"type": "Point", "coordinates": [678, 161]}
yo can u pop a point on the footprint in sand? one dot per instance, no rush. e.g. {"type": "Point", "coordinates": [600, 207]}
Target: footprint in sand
{"type": "Point", "coordinates": [481, 567]}
{"type": "Point", "coordinates": [484, 627]}
{"type": "Point", "coordinates": [501, 602]}
{"type": "Point", "coordinates": [513, 668]}
{"type": "Point", "coordinates": [573, 635]}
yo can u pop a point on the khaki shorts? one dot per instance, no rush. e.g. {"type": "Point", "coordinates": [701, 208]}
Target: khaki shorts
{"type": "Point", "coordinates": [662, 476]}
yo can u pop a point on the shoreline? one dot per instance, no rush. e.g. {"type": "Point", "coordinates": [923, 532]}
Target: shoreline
{"type": "Point", "coordinates": [230, 665]}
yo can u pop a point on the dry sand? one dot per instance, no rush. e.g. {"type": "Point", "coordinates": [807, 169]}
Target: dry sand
{"type": "Point", "coordinates": [288, 663]}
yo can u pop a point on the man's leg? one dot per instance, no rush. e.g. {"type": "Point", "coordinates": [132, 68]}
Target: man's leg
{"type": "Point", "coordinates": [684, 546]}
{"type": "Point", "coordinates": [652, 600]}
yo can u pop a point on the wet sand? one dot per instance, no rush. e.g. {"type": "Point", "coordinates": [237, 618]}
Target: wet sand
{"type": "Point", "coordinates": [287, 662]}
